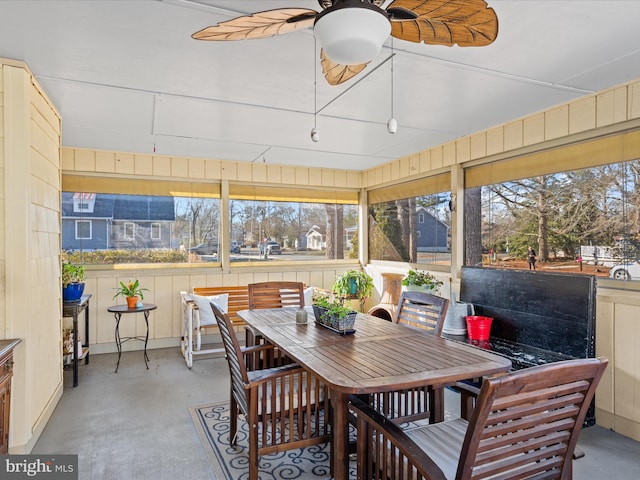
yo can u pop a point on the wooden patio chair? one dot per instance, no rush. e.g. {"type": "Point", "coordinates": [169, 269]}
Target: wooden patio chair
{"type": "Point", "coordinates": [272, 295]}
{"type": "Point", "coordinates": [281, 405]}
{"type": "Point", "coordinates": [276, 295]}
{"type": "Point", "coordinates": [525, 425]}
{"type": "Point", "coordinates": [422, 310]}
{"type": "Point", "coordinates": [426, 312]}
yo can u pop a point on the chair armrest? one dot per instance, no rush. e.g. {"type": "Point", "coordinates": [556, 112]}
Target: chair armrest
{"type": "Point", "coordinates": [257, 377]}
{"type": "Point", "coordinates": [256, 348]}
{"type": "Point", "coordinates": [470, 387]}
{"type": "Point", "coordinates": [374, 427]}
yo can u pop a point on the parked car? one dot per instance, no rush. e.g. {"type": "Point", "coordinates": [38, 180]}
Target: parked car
{"type": "Point", "coordinates": [207, 248]}
{"type": "Point", "coordinates": [626, 271]}
{"type": "Point", "coordinates": [272, 248]}
{"type": "Point", "coordinates": [235, 247]}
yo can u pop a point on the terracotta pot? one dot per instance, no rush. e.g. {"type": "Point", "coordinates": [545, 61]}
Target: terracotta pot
{"type": "Point", "coordinates": [132, 301]}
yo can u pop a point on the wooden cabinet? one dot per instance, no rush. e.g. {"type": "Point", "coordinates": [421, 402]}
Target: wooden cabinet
{"type": "Point", "coordinates": [6, 372]}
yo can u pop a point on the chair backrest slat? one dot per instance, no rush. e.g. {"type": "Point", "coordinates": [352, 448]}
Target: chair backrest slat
{"type": "Point", "coordinates": [276, 295]}
{"type": "Point", "coordinates": [422, 310]}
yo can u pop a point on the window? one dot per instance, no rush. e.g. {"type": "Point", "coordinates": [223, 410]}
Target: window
{"type": "Point", "coordinates": [292, 231]}
{"type": "Point", "coordinates": [577, 221]}
{"type": "Point", "coordinates": [173, 222]}
{"type": "Point", "coordinates": [128, 231]}
{"type": "Point", "coordinates": [156, 231]}
{"type": "Point", "coordinates": [84, 202]}
{"type": "Point", "coordinates": [176, 222]}
{"type": "Point", "coordinates": [414, 228]}
{"type": "Point", "coordinates": [83, 229]}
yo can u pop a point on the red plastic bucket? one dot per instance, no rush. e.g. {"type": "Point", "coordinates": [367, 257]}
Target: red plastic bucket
{"type": "Point", "coordinates": [478, 327]}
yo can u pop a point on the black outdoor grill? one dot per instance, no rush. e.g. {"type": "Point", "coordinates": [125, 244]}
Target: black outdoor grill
{"type": "Point", "coordinates": [538, 317]}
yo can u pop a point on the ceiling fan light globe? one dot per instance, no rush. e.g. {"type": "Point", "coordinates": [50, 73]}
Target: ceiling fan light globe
{"type": "Point", "coordinates": [352, 35]}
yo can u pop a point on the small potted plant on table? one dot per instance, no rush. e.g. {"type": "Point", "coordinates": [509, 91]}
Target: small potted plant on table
{"type": "Point", "coordinates": [131, 291]}
{"type": "Point", "coordinates": [419, 281]}
{"type": "Point", "coordinates": [72, 281]}
{"type": "Point", "coordinates": [330, 312]}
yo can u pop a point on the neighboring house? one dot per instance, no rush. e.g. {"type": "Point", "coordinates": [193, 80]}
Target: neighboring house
{"type": "Point", "coordinates": [316, 238]}
{"type": "Point", "coordinates": [432, 234]}
{"type": "Point", "coordinates": [99, 221]}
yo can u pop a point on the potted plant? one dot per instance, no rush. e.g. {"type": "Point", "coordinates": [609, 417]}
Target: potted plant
{"type": "Point", "coordinates": [354, 284]}
{"type": "Point", "coordinates": [419, 281]}
{"type": "Point", "coordinates": [72, 281]}
{"type": "Point", "coordinates": [131, 291]}
{"type": "Point", "coordinates": [331, 312]}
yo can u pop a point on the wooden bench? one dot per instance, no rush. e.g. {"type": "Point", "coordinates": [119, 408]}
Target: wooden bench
{"type": "Point", "coordinates": [238, 299]}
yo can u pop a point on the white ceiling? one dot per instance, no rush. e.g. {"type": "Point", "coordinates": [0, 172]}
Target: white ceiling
{"type": "Point", "coordinates": [127, 76]}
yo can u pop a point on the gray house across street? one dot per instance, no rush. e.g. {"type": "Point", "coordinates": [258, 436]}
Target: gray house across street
{"type": "Point", "coordinates": [433, 234]}
{"type": "Point", "coordinates": [93, 221]}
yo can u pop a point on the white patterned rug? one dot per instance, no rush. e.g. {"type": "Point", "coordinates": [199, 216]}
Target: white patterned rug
{"type": "Point", "coordinates": [230, 462]}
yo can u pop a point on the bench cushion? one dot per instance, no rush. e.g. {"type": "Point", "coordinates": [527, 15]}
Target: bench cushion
{"type": "Point", "coordinates": [204, 309]}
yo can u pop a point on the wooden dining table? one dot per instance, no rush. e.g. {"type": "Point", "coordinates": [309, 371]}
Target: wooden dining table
{"type": "Point", "coordinates": [379, 357]}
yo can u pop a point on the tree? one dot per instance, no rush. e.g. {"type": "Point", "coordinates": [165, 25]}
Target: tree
{"type": "Point", "coordinates": [335, 231]}
{"type": "Point", "coordinates": [473, 225]}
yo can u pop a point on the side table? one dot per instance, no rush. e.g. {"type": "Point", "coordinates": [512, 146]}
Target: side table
{"type": "Point", "coordinates": [73, 309]}
{"type": "Point", "coordinates": [118, 311]}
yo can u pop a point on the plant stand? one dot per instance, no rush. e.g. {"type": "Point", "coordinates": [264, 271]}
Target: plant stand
{"type": "Point", "coordinates": [355, 297]}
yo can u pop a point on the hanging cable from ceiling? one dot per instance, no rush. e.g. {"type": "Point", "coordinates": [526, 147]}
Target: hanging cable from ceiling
{"type": "Point", "coordinates": [315, 136]}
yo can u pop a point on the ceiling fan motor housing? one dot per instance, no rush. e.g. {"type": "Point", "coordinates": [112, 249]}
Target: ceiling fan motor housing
{"type": "Point", "coordinates": [352, 31]}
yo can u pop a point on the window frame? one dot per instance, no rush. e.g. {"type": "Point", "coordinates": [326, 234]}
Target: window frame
{"type": "Point", "coordinates": [158, 226]}
{"type": "Point", "coordinates": [84, 221]}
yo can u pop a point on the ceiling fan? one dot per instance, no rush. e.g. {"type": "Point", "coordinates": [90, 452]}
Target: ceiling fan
{"type": "Point", "coordinates": [352, 32]}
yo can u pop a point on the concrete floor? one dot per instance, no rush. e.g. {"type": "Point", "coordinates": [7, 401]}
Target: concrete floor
{"type": "Point", "coordinates": [135, 424]}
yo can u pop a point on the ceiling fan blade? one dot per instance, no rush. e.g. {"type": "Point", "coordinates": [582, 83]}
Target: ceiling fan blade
{"type": "Point", "coordinates": [259, 25]}
{"type": "Point", "coordinates": [467, 23]}
{"type": "Point", "coordinates": [334, 73]}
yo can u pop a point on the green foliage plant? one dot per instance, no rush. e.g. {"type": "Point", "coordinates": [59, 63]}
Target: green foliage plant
{"type": "Point", "coordinates": [131, 289]}
{"type": "Point", "coordinates": [72, 273]}
{"type": "Point", "coordinates": [421, 278]}
{"type": "Point", "coordinates": [364, 284]}
{"type": "Point", "coordinates": [333, 306]}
